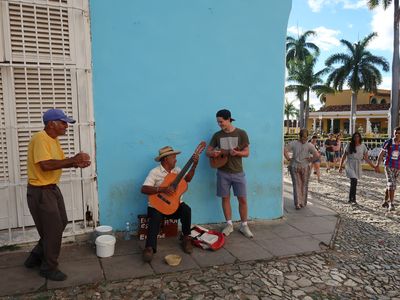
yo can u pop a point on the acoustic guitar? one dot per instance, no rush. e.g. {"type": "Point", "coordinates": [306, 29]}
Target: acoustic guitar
{"type": "Point", "coordinates": [168, 204]}
{"type": "Point", "coordinates": [222, 158]}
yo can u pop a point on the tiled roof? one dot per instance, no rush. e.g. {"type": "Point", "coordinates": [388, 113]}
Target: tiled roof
{"type": "Point", "coordinates": [360, 107]}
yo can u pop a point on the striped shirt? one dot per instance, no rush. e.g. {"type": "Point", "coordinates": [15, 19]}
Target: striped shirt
{"type": "Point", "coordinates": [392, 154]}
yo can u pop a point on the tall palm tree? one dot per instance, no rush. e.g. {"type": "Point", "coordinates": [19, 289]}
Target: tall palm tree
{"type": "Point", "coordinates": [302, 77]}
{"type": "Point", "coordinates": [296, 51]}
{"type": "Point", "coordinates": [358, 69]}
{"type": "Point", "coordinates": [300, 48]}
{"type": "Point", "coordinates": [290, 111]}
{"type": "Point", "coordinates": [394, 106]}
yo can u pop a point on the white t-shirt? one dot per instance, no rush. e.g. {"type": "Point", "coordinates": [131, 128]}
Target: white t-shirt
{"type": "Point", "coordinates": [156, 176]}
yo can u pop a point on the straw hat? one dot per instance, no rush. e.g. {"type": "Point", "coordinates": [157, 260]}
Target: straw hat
{"type": "Point", "coordinates": [165, 151]}
{"type": "Point", "coordinates": [173, 259]}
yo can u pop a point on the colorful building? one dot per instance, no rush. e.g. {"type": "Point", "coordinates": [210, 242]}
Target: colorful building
{"type": "Point", "coordinates": [372, 114]}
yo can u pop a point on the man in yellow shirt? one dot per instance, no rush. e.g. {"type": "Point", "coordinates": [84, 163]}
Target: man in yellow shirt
{"type": "Point", "coordinates": [46, 160]}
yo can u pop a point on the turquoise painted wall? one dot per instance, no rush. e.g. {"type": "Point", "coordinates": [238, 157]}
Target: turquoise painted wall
{"type": "Point", "coordinates": [161, 70]}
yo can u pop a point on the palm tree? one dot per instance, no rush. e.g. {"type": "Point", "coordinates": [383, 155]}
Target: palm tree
{"type": "Point", "coordinates": [302, 78]}
{"type": "Point", "coordinates": [299, 49]}
{"type": "Point", "coordinates": [296, 52]}
{"type": "Point", "coordinates": [358, 69]}
{"type": "Point", "coordinates": [290, 111]}
{"type": "Point", "coordinates": [394, 106]}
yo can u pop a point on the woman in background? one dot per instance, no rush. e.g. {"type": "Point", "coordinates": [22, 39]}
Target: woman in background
{"type": "Point", "coordinates": [355, 153]}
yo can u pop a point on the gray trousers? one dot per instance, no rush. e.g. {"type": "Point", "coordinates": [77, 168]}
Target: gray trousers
{"type": "Point", "coordinates": [47, 208]}
{"type": "Point", "coordinates": [300, 177]}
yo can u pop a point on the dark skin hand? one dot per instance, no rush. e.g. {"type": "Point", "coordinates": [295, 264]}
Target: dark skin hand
{"type": "Point", "coordinates": [168, 164]}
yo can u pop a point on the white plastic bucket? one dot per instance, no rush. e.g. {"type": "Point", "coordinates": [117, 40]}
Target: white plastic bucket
{"type": "Point", "coordinates": [103, 230]}
{"type": "Point", "coordinates": [105, 245]}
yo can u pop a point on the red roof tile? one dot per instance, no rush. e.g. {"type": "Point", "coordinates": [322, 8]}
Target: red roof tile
{"type": "Point", "coordinates": [360, 107]}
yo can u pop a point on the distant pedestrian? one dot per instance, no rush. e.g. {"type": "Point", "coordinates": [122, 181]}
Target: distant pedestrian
{"type": "Point", "coordinates": [316, 164]}
{"type": "Point", "coordinates": [337, 148]}
{"type": "Point", "coordinates": [330, 143]}
{"type": "Point", "coordinates": [391, 148]}
{"type": "Point", "coordinates": [303, 153]}
{"type": "Point", "coordinates": [354, 154]}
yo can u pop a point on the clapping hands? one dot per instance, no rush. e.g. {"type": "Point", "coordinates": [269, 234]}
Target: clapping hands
{"type": "Point", "coordinates": [81, 160]}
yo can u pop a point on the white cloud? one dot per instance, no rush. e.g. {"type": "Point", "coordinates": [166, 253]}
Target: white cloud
{"type": "Point", "coordinates": [354, 5]}
{"type": "Point", "coordinates": [317, 5]}
{"type": "Point", "coordinates": [325, 39]}
{"type": "Point", "coordinates": [386, 83]}
{"type": "Point", "coordinates": [382, 23]}
{"type": "Point", "coordinates": [350, 26]}
{"type": "Point", "coordinates": [314, 101]}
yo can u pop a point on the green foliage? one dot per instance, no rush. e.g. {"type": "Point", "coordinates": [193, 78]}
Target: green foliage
{"type": "Point", "coordinates": [358, 67]}
{"type": "Point", "coordinates": [299, 49]}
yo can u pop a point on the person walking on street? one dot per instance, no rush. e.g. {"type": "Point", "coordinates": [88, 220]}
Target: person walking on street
{"type": "Point", "coordinates": [391, 150]}
{"type": "Point", "coordinates": [45, 162]}
{"type": "Point", "coordinates": [354, 154]}
{"type": "Point", "coordinates": [316, 164]}
{"type": "Point", "coordinates": [337, 148]}
{"type": "Point", "coordinates": [235, 143]}
{"type": "Point", "coordinates": [330, 144]}
{"type": "Point", "coordinates": [303, 154]}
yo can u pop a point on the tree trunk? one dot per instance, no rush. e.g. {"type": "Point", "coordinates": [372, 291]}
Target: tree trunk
{"type": "Point", "coordinates": [307, 109]}
{"type": "Point", "coordinates": [352, 127]}
{"type": "Point", "coordinates": [394, 107]}
{"type": "Point", "coordinates": [287, 123]}
{"type": "Point", "coordinates": [301, 113]}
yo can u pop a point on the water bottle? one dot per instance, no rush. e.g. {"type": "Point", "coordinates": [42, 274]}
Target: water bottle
{"type": "Point", "coordinates": [127, 235]}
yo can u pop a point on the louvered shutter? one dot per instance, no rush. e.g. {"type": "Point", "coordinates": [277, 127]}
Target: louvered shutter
{"type": "Point", "coordinates": [37, 90]}
{"type": "Point", "coordinates": [5, 214]}
{"type": "Point", "coordinates": [45, 47]}
{"type": "Point", "coordinates": [39, 33]}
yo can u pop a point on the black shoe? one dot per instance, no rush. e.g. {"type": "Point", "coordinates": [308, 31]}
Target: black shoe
{"type": "Point", "coordinates": [148, 254]}
{"type": "Point", "coordinates": [385, 204]}
{"type": "Point", "coordinates": [32, 261]}
{"type": "Point", "coordinates": [55, 275]}
{"type": "Point", "coordinates": [391, 207]}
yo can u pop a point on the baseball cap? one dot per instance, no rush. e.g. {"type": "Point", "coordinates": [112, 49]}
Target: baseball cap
{"type": "Point", "coordinates": [225, 114]}
{"type": "Point", "coordinates": [56, 115]}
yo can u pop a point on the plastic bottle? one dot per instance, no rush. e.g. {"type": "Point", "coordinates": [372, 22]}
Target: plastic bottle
{"type": "Point", "coordinates": [127, 235]}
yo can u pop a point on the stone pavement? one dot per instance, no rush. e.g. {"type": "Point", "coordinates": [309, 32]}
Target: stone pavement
{"type": "Point", "coordinates": [310, 230]}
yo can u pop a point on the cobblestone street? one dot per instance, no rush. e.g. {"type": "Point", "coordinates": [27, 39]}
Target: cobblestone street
{"type": "Point", "coordinates": [364, 263]}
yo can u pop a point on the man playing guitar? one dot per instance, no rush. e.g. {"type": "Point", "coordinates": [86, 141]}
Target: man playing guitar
{"type": "Point", "coordinates": [151, 186]}
{"type": "Point", "coordinates": [235, 143]}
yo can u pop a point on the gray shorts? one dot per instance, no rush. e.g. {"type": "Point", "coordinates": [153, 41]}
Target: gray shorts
{"type": "Point", "coordinates": [227, 180]}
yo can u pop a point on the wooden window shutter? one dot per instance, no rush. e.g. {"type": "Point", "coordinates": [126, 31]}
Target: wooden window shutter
{"type": "Point", "coordinates": [39, 33]}
{"type": "Point", "coordinates": [37, 90]}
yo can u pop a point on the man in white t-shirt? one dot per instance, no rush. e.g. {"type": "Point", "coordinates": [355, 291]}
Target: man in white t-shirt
{"type": "Point", "coordinates": [151, 186]}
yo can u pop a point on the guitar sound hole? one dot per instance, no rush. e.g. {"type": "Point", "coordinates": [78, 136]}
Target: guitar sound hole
{"type": "Point", "coordinates": [163, 198]}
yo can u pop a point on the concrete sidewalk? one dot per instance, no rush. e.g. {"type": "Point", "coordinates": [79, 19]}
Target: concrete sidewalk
{"type": "Point", "coordinates": [298, 232]}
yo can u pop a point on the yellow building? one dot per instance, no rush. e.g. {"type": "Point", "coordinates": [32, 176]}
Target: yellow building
{"type": "Point", "coordinates": [372, 113]}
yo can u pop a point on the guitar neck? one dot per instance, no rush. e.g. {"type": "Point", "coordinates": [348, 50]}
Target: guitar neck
{"type": "Point", "coordinates": [182, 173]}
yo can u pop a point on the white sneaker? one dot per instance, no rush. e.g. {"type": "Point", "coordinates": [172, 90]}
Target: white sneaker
{"type": "Point", "coordinates": [227, 230]}
{"type": "Point", "coordinates": [245, 230]}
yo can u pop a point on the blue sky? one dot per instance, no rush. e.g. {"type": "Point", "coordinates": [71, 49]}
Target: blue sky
{"type": "Point", "coordinates": [334, 20]}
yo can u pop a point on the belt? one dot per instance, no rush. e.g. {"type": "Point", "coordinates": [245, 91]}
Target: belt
{"type": "Point", "coordinates": [48, 186]}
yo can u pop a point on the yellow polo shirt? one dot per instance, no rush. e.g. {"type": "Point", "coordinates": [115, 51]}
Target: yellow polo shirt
{"type": "Point", "coordinates": [41, 148]}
